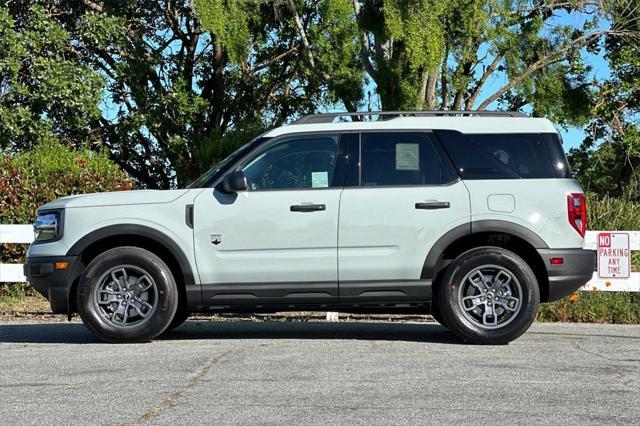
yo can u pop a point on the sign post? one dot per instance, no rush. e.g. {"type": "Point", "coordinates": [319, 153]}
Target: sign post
{"type": "Point", "coordinates": [614, 256]}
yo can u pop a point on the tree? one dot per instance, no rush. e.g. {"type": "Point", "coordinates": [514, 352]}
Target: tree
{"type": "Point", "coordinates": [180, 98]}
{"type": "Point", "coordinates": [43, 92]}
{"type": "Point", "coordinates": [441, 54]}
{"type": "Point", "coordinates": [181, 83]}
{"type": "Point", "coordinates": [608, 159]}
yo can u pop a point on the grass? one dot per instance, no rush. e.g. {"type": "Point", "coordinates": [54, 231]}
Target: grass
{"type": "Point", "coordinates": [20, 300]}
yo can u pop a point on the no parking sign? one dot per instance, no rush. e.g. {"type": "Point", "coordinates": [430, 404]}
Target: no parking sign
{"type": "Point", "coordinates": [613, 255]}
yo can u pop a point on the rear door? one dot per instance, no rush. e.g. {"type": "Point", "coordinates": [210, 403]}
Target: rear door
{"type": "Point", "coordinates": [406, 197]}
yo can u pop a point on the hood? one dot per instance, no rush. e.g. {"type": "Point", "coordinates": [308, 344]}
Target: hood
{"type": "Point", "coordinates": [119, 198]}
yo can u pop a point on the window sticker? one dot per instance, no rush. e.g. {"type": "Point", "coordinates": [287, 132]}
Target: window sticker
{"type": "Point", "coordinates": [319, 179]}
{"type": "Point", "coordinates": [407, 156]}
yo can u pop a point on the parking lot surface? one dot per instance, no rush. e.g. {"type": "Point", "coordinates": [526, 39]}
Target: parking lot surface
{"type": "Point", "coordinates": [313, 373]}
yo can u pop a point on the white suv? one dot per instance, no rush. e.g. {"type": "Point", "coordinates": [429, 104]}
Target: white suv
{"type": "Point", "coordinates": [474, 216]}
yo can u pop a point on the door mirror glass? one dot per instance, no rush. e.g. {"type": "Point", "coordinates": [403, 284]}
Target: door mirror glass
{"type": "Point", "coordinates": [234, 182]}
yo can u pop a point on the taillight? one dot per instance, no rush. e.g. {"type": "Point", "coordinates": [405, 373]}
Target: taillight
{"type": "Point", "coordinates": [577, 212]}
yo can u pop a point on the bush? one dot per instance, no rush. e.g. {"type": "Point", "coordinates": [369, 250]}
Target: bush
{"type": "Point", "coordinates": [594, 306]}
{"type": "Point", "coordinates": [614, 214]}
{"type": "Point", "coordinates": [49, 171]}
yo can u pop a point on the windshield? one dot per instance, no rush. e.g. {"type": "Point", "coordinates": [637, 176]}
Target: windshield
{"type": "Point", "coordinates": [208, 177]}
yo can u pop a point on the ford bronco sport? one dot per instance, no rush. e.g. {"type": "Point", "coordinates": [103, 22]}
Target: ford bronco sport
{"type": "Point", "coordinates": [472, 216]}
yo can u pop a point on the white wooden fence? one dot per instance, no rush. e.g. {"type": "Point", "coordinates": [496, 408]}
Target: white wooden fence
{"type": "Point", "coordinates": [23, 234]}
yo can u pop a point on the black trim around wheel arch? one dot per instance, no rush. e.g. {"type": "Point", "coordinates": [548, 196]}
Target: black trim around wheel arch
{"type": "Point", "coordinates": [509, 228]}
{"type": "Point", "coordinates": [140, 231]}
{"type": "Point", "coordinates": [433, 261]}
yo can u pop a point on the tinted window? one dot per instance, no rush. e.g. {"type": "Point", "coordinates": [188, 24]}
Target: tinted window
{"type": "Point", "coordinates": [295, 163]}
{"type": "Point", "coordinates": [498, 156]}
{"type": "Point", "coordinates": [557, 155]}
{"type": "Point", "coordinates": [399, 158]}
{"type": "Point", "coordinates": [222, 167]}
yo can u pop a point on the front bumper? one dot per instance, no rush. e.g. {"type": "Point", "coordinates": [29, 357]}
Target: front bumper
{"type": "Point", "coordinates": [577, 269]}
{"type": "Point", "coordinates": [53, 284]}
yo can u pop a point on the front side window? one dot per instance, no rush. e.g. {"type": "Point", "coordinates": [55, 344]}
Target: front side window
{"type": "Point", "coordinates": [401, 158]}
{"type": "Point", "coordinates": [301, 162]}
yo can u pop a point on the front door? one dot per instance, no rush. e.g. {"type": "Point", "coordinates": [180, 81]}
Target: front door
{"type": "Point", "coordinates": [277, 241]}
{"type": "Point", "coordinates": [408, 197]}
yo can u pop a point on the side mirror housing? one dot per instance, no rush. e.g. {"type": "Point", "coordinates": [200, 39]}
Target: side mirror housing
{"type": "Point", "coordinates": [234, 182]}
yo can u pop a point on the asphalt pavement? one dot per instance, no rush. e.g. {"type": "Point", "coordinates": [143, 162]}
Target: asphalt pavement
{"type": "Point", "coordinates": [319, 373]}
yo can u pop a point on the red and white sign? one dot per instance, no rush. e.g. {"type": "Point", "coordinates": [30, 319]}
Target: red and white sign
{"type": "Point", "coordinates": [614, 256]}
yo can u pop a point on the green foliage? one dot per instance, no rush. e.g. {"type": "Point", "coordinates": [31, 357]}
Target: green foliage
{"type": "Point", "coordinates": [598, 307]}
{"type": "Point", "coordinates": [44, 91]}
{"type": "Point", "coordinates": [608, 159]}
{"type": "Point", "coordinates": [160, 84]}
{"type": "Point", "coordinates": [337, 48]}
{"type": "Point", "coordinates": [614, 214]}
{"type": "Point", "coordinates": [228, 20]}
{"type": "Point", "coordinates": [47, 172]}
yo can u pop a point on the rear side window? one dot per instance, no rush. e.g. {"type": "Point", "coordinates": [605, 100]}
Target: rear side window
{"type": "Point", "coordinates": [402, 158]}
{"type": "Point", "coordinates": [498, 156]}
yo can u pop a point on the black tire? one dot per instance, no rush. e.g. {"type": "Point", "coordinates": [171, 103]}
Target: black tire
{"type": "Point", "coordinates": [435, 309]}
{"type": "Point", "coordinates": [162, 295]}
{"type": "Point", "coordinates": [182, 313]}
{"type": "Point", "coordinates": [437, 316]}
{"type": "Point", "coordinates": [467, 323]}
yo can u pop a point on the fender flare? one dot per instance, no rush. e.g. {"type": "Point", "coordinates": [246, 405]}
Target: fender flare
{"type": "Point", "coordinates": [433, 261]}
{"type": "Point", "coordinates": [141, 231]}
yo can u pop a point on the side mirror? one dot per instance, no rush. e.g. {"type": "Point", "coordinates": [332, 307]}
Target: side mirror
{"type": "Point", "coordinates": [234, 182]}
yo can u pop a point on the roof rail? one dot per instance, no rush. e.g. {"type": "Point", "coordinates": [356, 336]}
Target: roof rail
{"type": "Point", "coordinates": [357, 116]}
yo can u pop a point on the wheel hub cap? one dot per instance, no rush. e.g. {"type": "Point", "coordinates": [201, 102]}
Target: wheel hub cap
{"type": "Point", "coordinates": [490, 296]}
{"type": "Point", "coordinates": [126, 295]}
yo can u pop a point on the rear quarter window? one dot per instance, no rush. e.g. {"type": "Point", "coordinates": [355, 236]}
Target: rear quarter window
{"type": "Point", "coordinates": [498, 155]}
{"type": "Point", "coordinates": [556, 154]}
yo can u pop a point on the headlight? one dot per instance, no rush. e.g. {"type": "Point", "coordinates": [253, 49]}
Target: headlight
{"type": "Point", "coordinates": [47, 226]}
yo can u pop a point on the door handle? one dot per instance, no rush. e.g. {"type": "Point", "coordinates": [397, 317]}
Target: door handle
{"type": "Point", "coordinates": [433, 205]}
{"type": "Point", "coordinates": [308, 207]}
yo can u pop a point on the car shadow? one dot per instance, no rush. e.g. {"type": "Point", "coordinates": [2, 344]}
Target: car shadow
{"type": "Point", "coordinates": [76, 333]}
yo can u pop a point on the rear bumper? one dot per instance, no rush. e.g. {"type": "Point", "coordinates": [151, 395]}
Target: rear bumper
{"type": "Point", "coordinates": [576, 270]}
{"type": "Point", "coordinates": [53, 284]}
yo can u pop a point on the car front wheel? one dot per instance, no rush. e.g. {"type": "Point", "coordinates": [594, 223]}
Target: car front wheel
{"type": "Point", "coordinates": [489, 295]}
{"type": "Point", "coordinates": [127, 295]}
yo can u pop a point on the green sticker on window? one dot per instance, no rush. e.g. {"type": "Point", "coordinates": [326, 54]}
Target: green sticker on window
{"type": "Point", "coordinates": [320, 179]}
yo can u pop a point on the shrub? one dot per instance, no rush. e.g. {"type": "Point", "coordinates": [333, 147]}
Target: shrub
{"type": "Point", "coordinates": [49, 171]}
{"type": "Point", "coordinates": [594, 306]}
{"type": "Point", "coordinates": [614, 214]}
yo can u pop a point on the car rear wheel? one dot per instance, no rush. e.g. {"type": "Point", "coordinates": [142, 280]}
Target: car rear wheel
{"type": "Point", "coordinates": [127, 295]}
{"type": "Point", "coordinates": [489, 295]}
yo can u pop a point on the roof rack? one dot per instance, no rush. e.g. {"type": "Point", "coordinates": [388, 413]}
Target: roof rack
{"type": "Point", "coordinates": [357, 116]}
